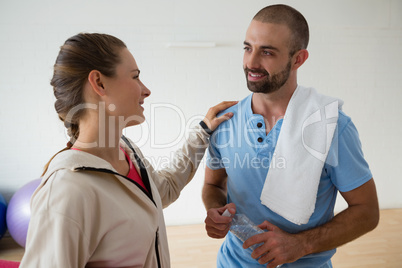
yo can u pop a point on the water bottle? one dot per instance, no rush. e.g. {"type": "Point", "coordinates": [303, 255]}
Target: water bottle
{"type": "Point", "coordinates": [243, 228]}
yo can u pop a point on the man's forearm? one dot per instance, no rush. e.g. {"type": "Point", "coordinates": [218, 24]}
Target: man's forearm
{"type": "Point", "coordinates": [343, 228]}
{"type": "Point", "coordinates": [358, 219]}
{"type": "Point", "coordinates": [213, 196]}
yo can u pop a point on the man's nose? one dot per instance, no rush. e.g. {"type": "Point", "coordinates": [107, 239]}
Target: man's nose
{"type": "Point", "coordinates": [252, 61]}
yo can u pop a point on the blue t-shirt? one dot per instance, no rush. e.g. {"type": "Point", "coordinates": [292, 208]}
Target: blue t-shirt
{"type": "Point", "coordinates": [241, 146]}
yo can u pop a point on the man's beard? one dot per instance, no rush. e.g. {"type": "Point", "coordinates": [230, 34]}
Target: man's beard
{"type": "Point", "coordinates": [271, 83]}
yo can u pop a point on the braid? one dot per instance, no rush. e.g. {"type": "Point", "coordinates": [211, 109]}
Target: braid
{"type": "Point", "coordinates": [78, 56]}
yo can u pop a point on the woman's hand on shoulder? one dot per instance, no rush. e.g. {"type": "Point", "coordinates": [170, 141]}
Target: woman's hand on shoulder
{"type": "Point", "coordinates": [211, 119]}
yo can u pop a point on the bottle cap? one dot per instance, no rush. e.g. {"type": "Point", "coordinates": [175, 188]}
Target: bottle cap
{"type": "Point", "coordinates": [226, 213]}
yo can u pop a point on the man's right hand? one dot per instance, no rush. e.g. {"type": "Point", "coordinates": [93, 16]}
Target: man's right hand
{"type": "Point", "coordinates": [218, 226]}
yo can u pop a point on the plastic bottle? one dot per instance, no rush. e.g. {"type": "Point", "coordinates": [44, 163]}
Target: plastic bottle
{"type": "Point", "coordinates": [243, 228]}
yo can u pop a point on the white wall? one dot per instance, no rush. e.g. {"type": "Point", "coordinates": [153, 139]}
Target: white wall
{"type": "Point", "coordinates": [355, 54]}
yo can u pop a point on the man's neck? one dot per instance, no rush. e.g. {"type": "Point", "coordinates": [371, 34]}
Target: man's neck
{"type": "Point", "coordinates": [272, 106]}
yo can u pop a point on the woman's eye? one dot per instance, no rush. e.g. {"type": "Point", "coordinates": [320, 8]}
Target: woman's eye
{"type": "Point", "coordinates": [137, 75]}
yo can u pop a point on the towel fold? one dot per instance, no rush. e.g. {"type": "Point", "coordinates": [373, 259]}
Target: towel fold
{"type": "Point", "coordinates": [304, 140]}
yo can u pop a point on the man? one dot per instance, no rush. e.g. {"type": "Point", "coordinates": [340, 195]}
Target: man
{"type": "Point", "coordinates": [243, 153]}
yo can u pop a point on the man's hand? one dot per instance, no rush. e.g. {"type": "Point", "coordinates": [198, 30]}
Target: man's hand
{"type": "Point", "coordinates": [278, 247]}
{"type": "Point", "coordinates": [218, 226]}
{"type": "Point", "coordinates": [360, 217]}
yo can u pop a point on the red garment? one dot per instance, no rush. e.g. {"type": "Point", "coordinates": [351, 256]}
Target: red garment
{"type": "Point", "coordinates": [9, 264]}
{"type": "Point", "coordinates": [132, 173]}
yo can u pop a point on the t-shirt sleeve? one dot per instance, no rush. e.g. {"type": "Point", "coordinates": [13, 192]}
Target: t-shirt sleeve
{"type": "Point", "coordinates": [213, 158]}
{"type": "Point", "coordinates": [348, 168]}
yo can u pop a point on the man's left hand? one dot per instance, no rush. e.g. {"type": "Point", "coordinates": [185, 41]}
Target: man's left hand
{"type": "Point", "coordinates": [278, 247]}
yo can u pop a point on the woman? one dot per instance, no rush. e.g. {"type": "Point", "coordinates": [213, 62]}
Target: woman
{"type": "Point", "coordinates": [100, 202]}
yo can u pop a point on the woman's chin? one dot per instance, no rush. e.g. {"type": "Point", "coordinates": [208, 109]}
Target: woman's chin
{"type": "Point", "coordinates": [134, 120]}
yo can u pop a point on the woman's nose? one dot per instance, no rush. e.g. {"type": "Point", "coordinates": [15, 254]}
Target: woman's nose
{"type": "Point", "coordinates": [145, 91]}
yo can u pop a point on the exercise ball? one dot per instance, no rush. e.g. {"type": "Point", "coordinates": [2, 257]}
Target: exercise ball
{"type": "Point", "coordinates": [19, 212]}
{"type": "Point", "coordinates": [3, 209]}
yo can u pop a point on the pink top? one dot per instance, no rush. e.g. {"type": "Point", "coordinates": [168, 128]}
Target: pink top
{"type": "Point", "coordinates": [132, 173]}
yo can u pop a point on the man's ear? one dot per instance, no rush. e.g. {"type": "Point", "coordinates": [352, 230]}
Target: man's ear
{"type": "Point", "coordinates": [299, 58]}
{"type": "Point", "coordinates": [95, 79]}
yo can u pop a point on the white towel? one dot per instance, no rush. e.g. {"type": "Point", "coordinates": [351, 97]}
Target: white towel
{"type": "Point", "coordinates": [304, 141]}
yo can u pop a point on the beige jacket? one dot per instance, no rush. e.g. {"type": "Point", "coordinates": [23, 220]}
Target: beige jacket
{"type": "Point", "coordinates": [83, 215]}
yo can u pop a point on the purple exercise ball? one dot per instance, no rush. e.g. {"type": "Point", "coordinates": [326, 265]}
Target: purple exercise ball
{"type": "Point", "coordinates": [19, 212]}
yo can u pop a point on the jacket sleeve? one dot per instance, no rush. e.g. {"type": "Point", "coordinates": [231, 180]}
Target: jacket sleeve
{"type": "Point", "coordinates": [56, 236]}
{"type": "Point", "coordinates": [181, 169]}
{"type": "Point", "coordinates": [50, 245]}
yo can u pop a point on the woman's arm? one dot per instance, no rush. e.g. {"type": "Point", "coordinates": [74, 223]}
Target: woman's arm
{"type": "Point", "coordinates": [171, 180]}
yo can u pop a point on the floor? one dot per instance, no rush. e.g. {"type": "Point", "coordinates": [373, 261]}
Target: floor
{"type": "Point", "coordinates": [190, 247]}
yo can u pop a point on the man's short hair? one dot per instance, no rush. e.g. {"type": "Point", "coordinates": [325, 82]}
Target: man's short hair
{"type": "Point", "coordinates": [283, 14]}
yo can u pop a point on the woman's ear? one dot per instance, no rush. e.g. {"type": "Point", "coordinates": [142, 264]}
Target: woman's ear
{"type": "Point", "coordinates": [299, 58]}
{"type": "Point", "coordinates": [95, 80]}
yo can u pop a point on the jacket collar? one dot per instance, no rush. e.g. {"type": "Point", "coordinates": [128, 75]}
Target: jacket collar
{"type": "Point", "coordinates": [74, 160]}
